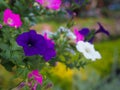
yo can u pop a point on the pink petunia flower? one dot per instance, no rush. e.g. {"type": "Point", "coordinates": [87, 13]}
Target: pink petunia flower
{"type": "Point", "coordinates": [12, 19]}
{"type": "Point", "coordinates": [51, 4]}
{"type": "Point", "coordinates": [36, 76]}
{"type": "Point", "coordinates": [79, 37]}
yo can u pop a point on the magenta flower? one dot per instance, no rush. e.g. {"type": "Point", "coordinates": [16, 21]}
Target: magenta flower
{"type": "Point", "coordinates": [36, 76]}
{"type": "Point", "coordinates": [51, 4]}
{"type": "Point", "coordinates": [12, 19]}
{"type": "Point", "coordinates": [79, 36]}
{"type": "Point", "coordinates": [34, 79]}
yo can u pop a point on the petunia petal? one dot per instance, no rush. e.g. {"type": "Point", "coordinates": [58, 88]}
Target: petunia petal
{"type": "Point", "coordinates": [84, 31]}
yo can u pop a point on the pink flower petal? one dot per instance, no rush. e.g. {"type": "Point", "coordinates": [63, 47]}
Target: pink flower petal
{"type": "Point", "coordinates": [79, 37]}
{"type": "Point", "coordinates": [12, 19]}
{"type": "Point", "coordinates": [51, 4]}
{"type": "Point", "coordinates": [36, 76]}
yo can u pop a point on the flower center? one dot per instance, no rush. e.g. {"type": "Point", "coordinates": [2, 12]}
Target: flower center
{"type": "Point", "coordinates": [30, 44]}
{"type": "Point", "coordinates": [10, 21]}
{"type": "Point", "coordinates": [87, 50]}
{"type": "Point", "coordinates": [46, 3]}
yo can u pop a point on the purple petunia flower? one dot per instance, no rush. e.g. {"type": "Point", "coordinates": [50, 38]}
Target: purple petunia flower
{"type": "Point", "coordinates": [32, 43]}
{"type": "Point", "coordinates": [36, 44]}
{"type": "Point", "coordinates": [12, 19]}
{"type": "Point", "coordinates": [102, 30]}
{"type": "Point", "coordinates": [84, 31]}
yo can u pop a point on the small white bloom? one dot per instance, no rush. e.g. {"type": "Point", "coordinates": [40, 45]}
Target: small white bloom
{"type": "Point", "coordinates": [87, 49]}
{"type": "Point", "coordinates": [69, 34]}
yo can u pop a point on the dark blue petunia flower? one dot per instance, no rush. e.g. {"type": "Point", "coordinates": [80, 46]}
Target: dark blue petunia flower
{"type": "Point", "coordinates": [32, 43]}
{"type": "Point", "coordinates": [36, 44]}
{"type": "Point", "coordinates": [102, 30]}
{"type": "Point", "coordinates": [91, 34]}
{"type": "Point", "coordinates": [84, 31]}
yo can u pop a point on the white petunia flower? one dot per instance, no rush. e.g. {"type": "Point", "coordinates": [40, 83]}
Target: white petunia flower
{"type": "Point", "coordinates": [87, 49]}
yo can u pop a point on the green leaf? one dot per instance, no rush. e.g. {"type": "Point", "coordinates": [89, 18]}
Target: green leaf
{"type": "Point", "coordinates": [4, 46]}
{"type": "Point", "coordinates": [4, 3]}
{"type": "Point", "coordinates": [8, 65]}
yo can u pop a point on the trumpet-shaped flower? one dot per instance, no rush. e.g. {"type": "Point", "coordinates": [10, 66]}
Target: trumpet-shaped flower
{"type": "Point", "coordinates": [36, 44]}
{"type": "Point", "coordinates": [86, 32]}
{"type": "Point", "coordinates": [51, 4]}
{"type": "Point", "coordinates": [102, 30]}
{"type": "Point", "coordinates": [32, 43]}
{"type": "Point", "coordinates": [12, 19]}
{"type": "Point", "coordinates": [87, 49]}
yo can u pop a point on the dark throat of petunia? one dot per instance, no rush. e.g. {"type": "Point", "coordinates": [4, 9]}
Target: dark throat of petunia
{"type": "Point", "coordinates": [30, 43]}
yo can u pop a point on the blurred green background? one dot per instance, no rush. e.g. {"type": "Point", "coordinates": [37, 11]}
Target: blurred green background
{"type": "Point", "coordinates": [102, 74]}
